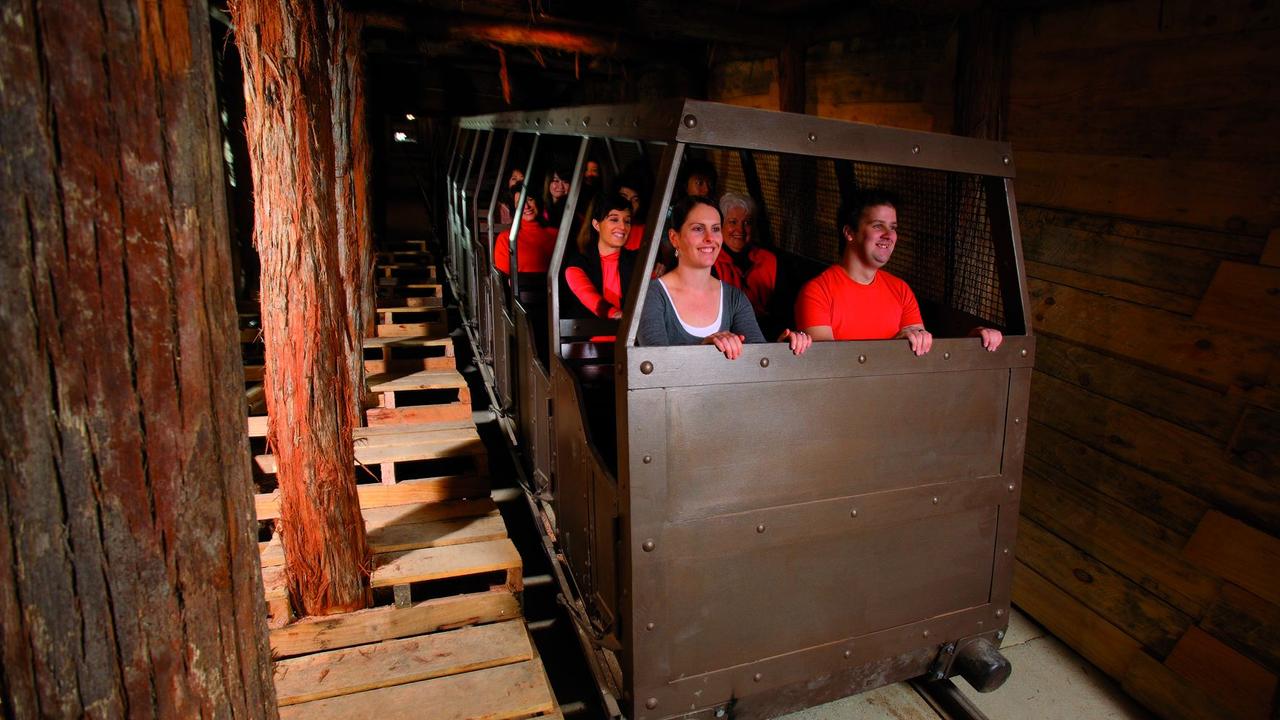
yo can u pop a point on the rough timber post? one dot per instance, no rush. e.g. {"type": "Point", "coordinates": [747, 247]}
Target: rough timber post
{"type": "Point", "coordinates": [129, 579]}
{"type": "Point", "coordinates": [351, 160]}
{"type": "Point", "coordinates": [285, 50]}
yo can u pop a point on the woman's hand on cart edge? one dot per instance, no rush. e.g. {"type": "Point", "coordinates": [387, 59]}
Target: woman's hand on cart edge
{"type": "Point", "coordinates": [729, 343]}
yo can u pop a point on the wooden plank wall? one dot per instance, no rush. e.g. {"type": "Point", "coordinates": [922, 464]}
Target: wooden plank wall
{"type": "Point", "coordinates": [1147, 141]}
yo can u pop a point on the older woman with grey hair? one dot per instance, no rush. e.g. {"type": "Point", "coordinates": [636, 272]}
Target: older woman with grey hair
{"type": "Point", "coordinates": [751, 269]}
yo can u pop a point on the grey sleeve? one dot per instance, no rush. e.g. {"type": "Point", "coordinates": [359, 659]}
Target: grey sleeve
{"type": "Point", "coordinates": [742, 318]}
{"type": "Point", "coordinates": [653, 318]}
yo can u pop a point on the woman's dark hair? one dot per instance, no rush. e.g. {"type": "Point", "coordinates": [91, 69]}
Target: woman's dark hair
{"type": "Point", "coordinates": [602, 205]}
{"type": "Point", "coordinates": [679, 211]}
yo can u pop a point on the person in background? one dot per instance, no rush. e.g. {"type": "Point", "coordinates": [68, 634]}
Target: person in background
{"type": "Point", "coordinates": [507, 200]}
{"type": "Point", "coordinates": [697, 178]}
{"type": "Point", "coordinates": [535, 242]}
{"type": "Point", "coordinates": [751, 269]}
{"type": "Point", "coordinates": [555, 191]}
{"type": "Point", "coordinates": [856, 299]}
{"type": "Point", "coordinates": [597, 276]}
{"type": "Point", "coordinates": [688, 306]}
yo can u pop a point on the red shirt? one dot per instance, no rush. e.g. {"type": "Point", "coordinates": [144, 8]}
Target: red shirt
{"type": "Point", "coordinates": [635, 238]}
{"type": "Point", "coordinates": [535, 244]}
{"type": "Point", "coordinates": [855, 311]}
{"type": "Point", "coordinates": [757, 282]}
{"type": "Point", "coordinates": [604, 302]}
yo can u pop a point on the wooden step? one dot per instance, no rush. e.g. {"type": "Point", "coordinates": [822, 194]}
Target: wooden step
{"type": "Point", "coordinates": [388, 315]}
{"type": "Point", "coordinates": [396, 330]}
{"type": "Point", "coordinates": [387, 344]}
{"type": "Point", "coordinates": [426, 490]}
{"type": "Point", "coordinates": [412, 566]}
{"type": "Point", "coordinates": [403, 447]}
{"type": "Point", "coordinates": [421, 380]}
{"type": "Point", "coordinates": [506, 692]}
{"type": "Point", "coordinates": [396, 662]}
{"type": "Point", "coordinates": [373, 625]}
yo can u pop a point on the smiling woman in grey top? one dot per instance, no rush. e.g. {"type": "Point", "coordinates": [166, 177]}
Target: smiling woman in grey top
{"type": "Point", "coordinates": [688, 306]}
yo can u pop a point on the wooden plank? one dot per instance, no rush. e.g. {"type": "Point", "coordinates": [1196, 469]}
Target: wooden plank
{"type": "Point", "coordinates": [370, 433]}
{"type": "Point", "coordinates": [439, 533]}
{"type": "Point", "coordinates": [1190, 97]}
{"type": "Point", "coordinates": [1246, 622]}
{"type": "Point", "coordinates": [418, 414]}
{"type": "Point", "coordinates": [271, 552]}
{"type": "Point", "coordinates": [437, 563]}
{"type": "Point", "coordinates": [1054, 454]}
{"type": "Point", "coordinates": [1156, 338]}
{"type": "Point", "coordinates": [1238, 553]}
{"type": "Point", "coordinates": [1118, 537]}
{"type": "Point", "coordinates": [1216, 194]}
{"type": "Point", "coordinates": [257, 425]}
{"type": "Point", "coordinates": [1245, 298]}
{"type": "Point", "coordinates": [1232, 679]}
{"type": "Point", "coordinates": [1209, 412]}
{"type": "Point", "coordinates": [451, 487]}
{"type": "Point", "coordinates": [1123, 603]}
{"type": "Point", "coordinates": [423, 380]}
{"type": "Point", "coordinates": [1136, 22]}
{"type": "Point", "coordinates": [1271, 251]}
{"type": "Point", "coordinates": [1107, 287]}
{"type": "Point", "coordinates": [274, 584]}
{"type": "Point", "coordinates": [433, 329]}
{"type": "Point", "coordinates": [1187, 459]}
{"type": "Point", "coordinates": [419, 341]}
{"type": "Point", "coordinates": [425, 448]}
{"type": "Point", "coordinates": [1231, 245]}
{"type": "Point", "coordinates": [396, 662]}
{"type": "Point", "coordinates": [314, 634]}
{"type": "Point", "coordinates": [1086, 632]}
{"type": "Point", "coordinates": [1166, 694]}
{"type": "Point", "coordinates": [376, 518]}
{"type": "Point", "coordinates": [408, 365]}
{"type": "Point", "coordinates": [506, 692]}
{"type": "Point", "coordinates": [1253, 446]}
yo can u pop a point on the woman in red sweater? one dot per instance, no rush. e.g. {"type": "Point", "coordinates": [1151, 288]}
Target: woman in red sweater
{"type": "Point", "coordinates": [535, 242]}
{"type": "Point", "coordinates": [598, 276]}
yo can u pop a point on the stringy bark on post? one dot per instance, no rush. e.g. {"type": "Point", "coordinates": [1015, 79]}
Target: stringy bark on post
{"type": "Point", "coordinates": [285, 51]}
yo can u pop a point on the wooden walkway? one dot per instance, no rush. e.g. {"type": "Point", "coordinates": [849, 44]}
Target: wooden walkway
{"type": "Point", "coordinates": [446, 638]}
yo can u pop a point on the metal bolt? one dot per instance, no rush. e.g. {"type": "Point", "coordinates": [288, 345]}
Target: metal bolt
{"type": "Point", "coordinates": [635, 122]}
{"type": "Point", "coordinates": [1005, 160]}
{"type": "Point", "coordinates": [1005, 551]}
{"type": "Point", "coordinates": [924, 634]}
{"type": "Point", "coordinates": [1023, 353]}
{"type": "Point", "coordinates": [690, 121]}
{"type": "Point", "coordinates": [651, 703]}
{"type": "Point", "coordinates": [647, 459]}
{"type": "Point", "coordinates": [760, 528]}
{"type": "Point", "coordinates": [566, 121]}
{"type": "Point", "coordinates": [757, 677]}
{"type": "Point", "coordinates": [1010, 486]}
{"type": "Point", "coordinates": [646, 367]}
{"type": "Point", "coordinates": [949, 648]}
{"type": "Point", "coordinates": [647, 546]}
{"type": "Point", "coordinates": [853, 512]}
{"type": "Point", "coordinates": [813, 137]}
{"type": "Point", "coordinates": [764, 362]}
{"type": "Point", "coordinates": [1017, 421]}
{"type": "Point", "coordinates": [999, 634]}
{"type": "Point", "coordinates": [650, 626]}
{"type": "Point", "coordinates": [946, 356]}
{"type": "Point", "coordinates": [609, 122]}
{"type": "Point", "coordinates": [915, 149]}
{"type": "Point", "coordinates": [935, 500]}
{"type": "Point", "coordinates": [848, 654]}
{"type": "Point", "coordinates": [1000, 613]}
{"type": "Point", "coordinates": [586, 121]}
{"type": "Point", "coordinates": [720, 712]}
{"type": "Point", "coordinates": [862, 358]}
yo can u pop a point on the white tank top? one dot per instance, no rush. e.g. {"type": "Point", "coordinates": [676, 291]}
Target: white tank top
{"type": "Point", "coordinates": [697, 331]}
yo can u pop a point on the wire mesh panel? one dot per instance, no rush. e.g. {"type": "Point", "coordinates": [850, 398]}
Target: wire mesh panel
{"type": "Point", "coordinates": [945, 249]}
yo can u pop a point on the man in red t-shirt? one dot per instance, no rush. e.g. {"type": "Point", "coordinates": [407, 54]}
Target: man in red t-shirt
{"type": "Point", "coordinates": [856, 299]}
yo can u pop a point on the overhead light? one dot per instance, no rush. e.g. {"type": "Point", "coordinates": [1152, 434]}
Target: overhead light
{"type": "Point", "coordinates": [409, 116]}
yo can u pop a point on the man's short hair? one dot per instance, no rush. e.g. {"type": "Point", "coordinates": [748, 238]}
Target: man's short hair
{"type": "Point", "coordinates": [851, 210]}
